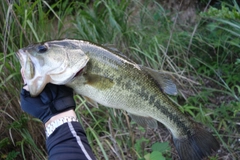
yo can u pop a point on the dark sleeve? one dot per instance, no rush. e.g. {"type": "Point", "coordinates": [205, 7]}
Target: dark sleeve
{"type": "Point", "coordinates": [69, 142]}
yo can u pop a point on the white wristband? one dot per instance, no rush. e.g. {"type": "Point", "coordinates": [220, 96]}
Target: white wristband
{"type": "Point", "coordinates": [58, 122]}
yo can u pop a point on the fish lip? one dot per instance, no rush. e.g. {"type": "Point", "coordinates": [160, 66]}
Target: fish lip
{"type": "Point", "coordinates": [19, 56]}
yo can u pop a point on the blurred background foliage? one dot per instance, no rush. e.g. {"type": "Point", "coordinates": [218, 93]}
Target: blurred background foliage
{"type": "Point", "coordinates": [196, 41]}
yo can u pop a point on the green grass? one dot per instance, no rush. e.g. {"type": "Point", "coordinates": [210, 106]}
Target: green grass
{"type": "Point", "coordinates": [204, 61]}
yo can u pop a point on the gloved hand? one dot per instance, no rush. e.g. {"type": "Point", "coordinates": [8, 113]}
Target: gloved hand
{"type": "Point", "coordinates": [53, 100]}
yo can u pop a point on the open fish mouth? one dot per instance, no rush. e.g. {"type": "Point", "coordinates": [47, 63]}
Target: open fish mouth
{"type": "Point", "coordinates": [19, 56]}
{"type": "Point", "coordinates": [79, 72]}
{"type": "Point", "coordinates": [21, 60]}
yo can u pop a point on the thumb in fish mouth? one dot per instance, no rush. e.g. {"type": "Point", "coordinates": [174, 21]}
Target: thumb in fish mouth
{"type": "Point", "coordinates": [24, 81]}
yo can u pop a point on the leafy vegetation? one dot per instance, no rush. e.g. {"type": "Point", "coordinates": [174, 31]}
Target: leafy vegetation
{"type": "Point", "coordinates": [204, 60]}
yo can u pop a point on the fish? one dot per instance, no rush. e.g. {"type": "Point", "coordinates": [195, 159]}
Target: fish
{"type": "Point", "coordinates": [105, 76]}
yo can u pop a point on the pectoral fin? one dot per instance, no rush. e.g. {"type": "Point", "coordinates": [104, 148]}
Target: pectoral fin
{"type": "Point", "coordinates": [163, 79]}
{"type": "Point", "coordinates": [98, 81]}
{"type": "Point", "coordinates": [91, 102]}
{"type": "Point", "coordinates": [144, 121]}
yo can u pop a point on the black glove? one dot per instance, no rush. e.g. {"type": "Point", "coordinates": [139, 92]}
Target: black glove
{"type": "Point", "coordinates": [53, 100]}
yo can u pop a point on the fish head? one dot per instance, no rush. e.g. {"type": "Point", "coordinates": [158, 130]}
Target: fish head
{"type": "Point", "coordinates": [56, 62]}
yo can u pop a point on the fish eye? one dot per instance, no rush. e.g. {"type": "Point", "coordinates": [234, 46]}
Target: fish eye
{"type": "Point", "coordinates": [42, 48]}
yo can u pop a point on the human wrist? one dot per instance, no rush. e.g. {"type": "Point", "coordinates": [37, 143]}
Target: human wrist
{"type": "Point", "coordinates": [58, 120]}
{"type": "Point", "coordinates": [69, 113]}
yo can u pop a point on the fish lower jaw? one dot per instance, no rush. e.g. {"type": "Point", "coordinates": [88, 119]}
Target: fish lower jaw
{"type": "Point", "coordinates": [19, 56]}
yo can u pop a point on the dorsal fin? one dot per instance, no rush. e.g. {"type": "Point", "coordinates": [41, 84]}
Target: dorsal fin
{"type": "Point", "coordinates": [163, 79]}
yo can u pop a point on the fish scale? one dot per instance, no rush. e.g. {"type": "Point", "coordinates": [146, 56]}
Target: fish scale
{"type": "Point", "coordinates": [141, 86]}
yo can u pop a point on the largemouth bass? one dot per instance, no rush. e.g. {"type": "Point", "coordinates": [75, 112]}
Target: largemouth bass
{"type": "Point", "coordinates": [104, 76]}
